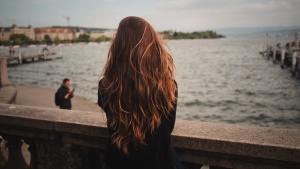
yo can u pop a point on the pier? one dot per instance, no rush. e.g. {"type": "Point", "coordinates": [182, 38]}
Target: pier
{"type": "Point", "coordinates": [22, 57]}
{"type": "Point", "coordinates": [288, 56]}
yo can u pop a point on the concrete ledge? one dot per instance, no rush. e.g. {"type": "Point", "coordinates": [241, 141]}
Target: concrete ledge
{"type": "Point", "coordinates": [262, 142]}
{"type": "Point", "coordinates": [223, 145]}
{"type": "Point", "coordinates": [8, 94]}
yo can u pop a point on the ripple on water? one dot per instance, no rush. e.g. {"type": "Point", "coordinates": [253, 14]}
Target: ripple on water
{"type": "Point", "coordinates": [229, 83]}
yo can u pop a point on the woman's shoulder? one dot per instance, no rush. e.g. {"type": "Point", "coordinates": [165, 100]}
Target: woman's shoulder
{"type": "Point", "coordinates": [101, 87]}
{"type": "Point", "coordinates": [100, 83]}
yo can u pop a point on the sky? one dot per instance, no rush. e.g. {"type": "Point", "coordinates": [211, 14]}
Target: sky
{"type": "Point", "coordinates": [179, 15]}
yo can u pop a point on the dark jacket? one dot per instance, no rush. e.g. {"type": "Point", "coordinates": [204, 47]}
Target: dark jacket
{"type": "Point", "coordinates": [64, 103]}
{"type": "Point", "coordinates": [156, 155]}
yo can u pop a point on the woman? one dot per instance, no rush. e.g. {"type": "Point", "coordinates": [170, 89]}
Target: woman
{"type": "Point", "coordinates": [139, 96]}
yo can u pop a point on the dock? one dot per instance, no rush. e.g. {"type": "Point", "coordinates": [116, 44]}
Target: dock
{"type": "Point", "coordinates": [25, 58]}
{"type": "Point", "coordinates": [288, 56]}
{"type": "Point", "coordinates": [22, 57]}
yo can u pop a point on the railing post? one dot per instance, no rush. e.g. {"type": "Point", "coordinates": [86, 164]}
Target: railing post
{"type": "Point", "coordinates": [15, 158]}
{"type": "Point", "coordinates": [2, 159]}
{"type": "Point", "coordinates": [294, 62]}
{"type": "Point", "coordinates": [20, 58]}
{"type": "Point", "coordinates": [32, 150]}
{"type": "Point", "coordinates": [282, 58]}
{"type": "Point", "coordinates": [274, 55]}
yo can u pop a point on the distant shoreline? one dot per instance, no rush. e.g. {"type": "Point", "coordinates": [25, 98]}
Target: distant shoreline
{"type": "Point", "coordinates": [45, 45]}
{"type": "Point", "coordinates": [194, 35]}
{"type": "Point", "coordinates": [26, 36]}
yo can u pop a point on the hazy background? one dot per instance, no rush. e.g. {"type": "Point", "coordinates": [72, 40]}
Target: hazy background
{"type": "Point", "coordinates": [179, 15]}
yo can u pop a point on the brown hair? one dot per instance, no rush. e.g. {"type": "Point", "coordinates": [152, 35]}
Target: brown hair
{"type": "Point", "coordinates": [139, 81]}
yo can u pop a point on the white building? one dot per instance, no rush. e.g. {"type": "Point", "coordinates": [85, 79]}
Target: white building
{"type": "Point", "coordinates": [61, 33]}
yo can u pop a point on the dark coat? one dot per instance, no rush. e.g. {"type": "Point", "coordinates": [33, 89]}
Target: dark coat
{"type": "Point", "coordinates": [158, 154]}
{"type": "Point", "coordinates": [64, 103]}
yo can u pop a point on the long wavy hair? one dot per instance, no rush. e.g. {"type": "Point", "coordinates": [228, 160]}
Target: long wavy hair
{"type": "Point", "coordinates": [139, 81]}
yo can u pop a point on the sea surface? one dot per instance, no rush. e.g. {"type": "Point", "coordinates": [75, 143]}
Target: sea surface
{"type": "Point", "coordinates": [221, 80]}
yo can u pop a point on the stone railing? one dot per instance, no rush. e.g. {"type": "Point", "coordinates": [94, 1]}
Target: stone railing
{"type": "Point", "coordinates": [60, 139]}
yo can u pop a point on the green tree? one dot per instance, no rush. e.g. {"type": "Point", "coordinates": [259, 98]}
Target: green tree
{"type": "Point", "coordinates": [102, 39]}
{"type": "Point", "coordinates": [57, 40]}
{"type": "Point", "coordinates": [83, 38]}
{"type": "Point", "coordinates": [47, 39]}
{"type": "Point", "coordinates": [196, 35]}
{"type": "Point", "coordinates": [19, 39]}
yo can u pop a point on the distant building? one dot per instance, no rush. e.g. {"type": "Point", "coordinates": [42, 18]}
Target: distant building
{"type": "Point", "coordinates": [6, 32]}
{"type": "Point", "coordinates": [110, 33]}
{"type": "Point", "coordinates": [61, 33]}
{"type": "Point", "coordinates": [77, 32]}
{"type": "Point", "coordinates": [98, 33]}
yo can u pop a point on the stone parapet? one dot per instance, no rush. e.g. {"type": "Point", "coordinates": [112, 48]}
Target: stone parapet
{"type": "Point", "coordinates": [77, 139]}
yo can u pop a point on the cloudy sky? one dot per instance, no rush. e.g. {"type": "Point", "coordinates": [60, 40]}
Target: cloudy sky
{"type": "Point", "coordinates": [183, 15]}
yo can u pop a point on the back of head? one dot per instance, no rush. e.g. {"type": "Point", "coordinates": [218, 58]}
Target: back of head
{"type": "Point", "coordinates": [65, 80]}
{"type": "Point", "coordinates": [139, 81]}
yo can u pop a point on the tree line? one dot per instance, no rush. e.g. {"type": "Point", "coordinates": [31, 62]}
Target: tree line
{"type": "Point", "coordinates": [194, 35]}
{"type": "Point", "coordinates": [21, 39]}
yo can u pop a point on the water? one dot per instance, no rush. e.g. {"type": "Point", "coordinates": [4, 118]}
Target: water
{"type": "Point", "coordinates": [223, 80]}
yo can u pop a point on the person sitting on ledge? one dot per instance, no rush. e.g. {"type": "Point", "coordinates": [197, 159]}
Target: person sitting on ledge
{"type": "Point", "coordinates": [138, 93]}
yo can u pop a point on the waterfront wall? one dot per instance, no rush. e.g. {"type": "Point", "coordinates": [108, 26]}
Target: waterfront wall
{"type": "Point", "coordinates": [76, 139]}
{"type": "Point", "coordinates": [8, 92]}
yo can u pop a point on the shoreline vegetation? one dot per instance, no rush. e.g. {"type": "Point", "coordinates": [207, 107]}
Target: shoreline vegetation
{"type": "Point", "coordinates": [194, 35]}
{"type": "Point", "coordinates": [22, 40]}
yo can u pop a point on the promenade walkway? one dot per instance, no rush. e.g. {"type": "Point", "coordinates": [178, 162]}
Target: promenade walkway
{"type": "Point", "coordinates": [41, 97]}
